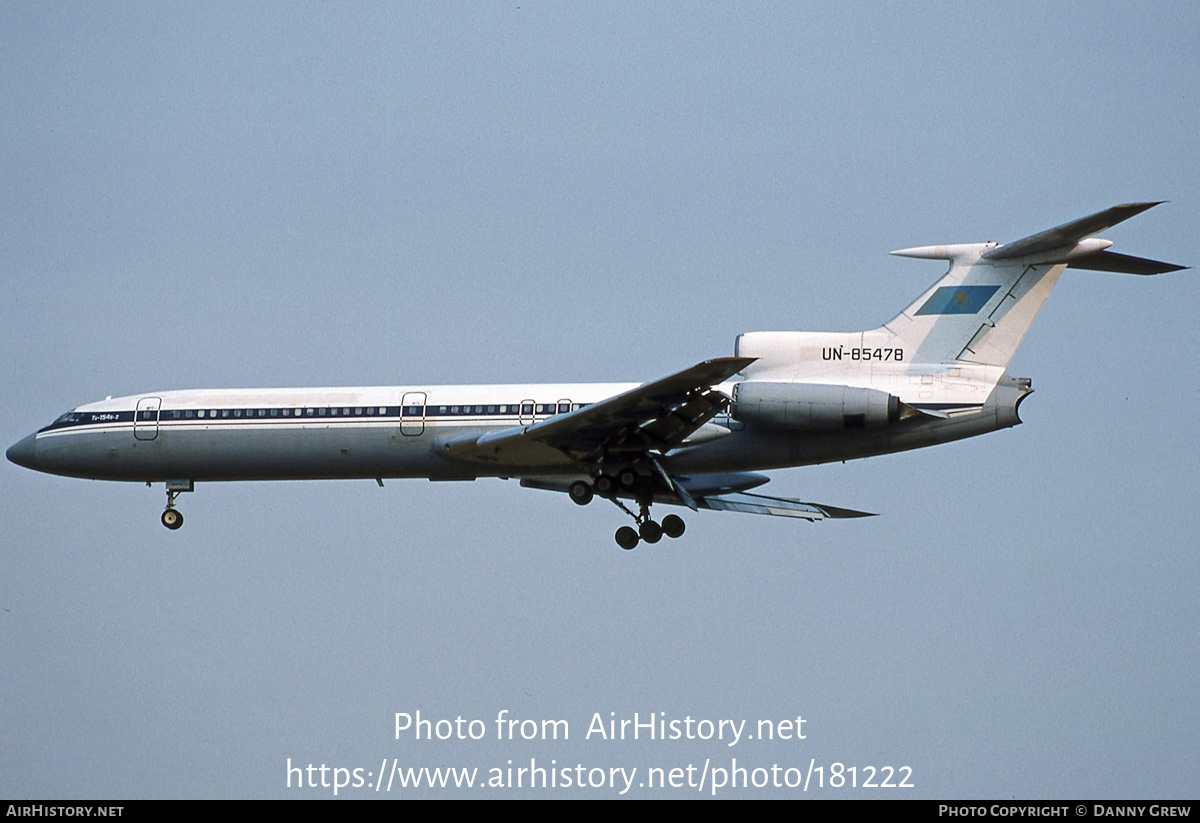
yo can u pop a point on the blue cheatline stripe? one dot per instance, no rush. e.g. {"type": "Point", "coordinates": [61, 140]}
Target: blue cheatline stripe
{"type": "Point", "coordinates": [311, 414]}
{"type": "Point", "coordinates": [958, 300]}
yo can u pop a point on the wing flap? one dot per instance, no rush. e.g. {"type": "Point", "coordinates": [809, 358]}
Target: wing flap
{"type": "Point", "coordinates": [688, 392]}
{"type": "Point", "coordinates": [776, 506]}
{"type": "Point", "coordinates": [721, 497]}
{"type": "Point", "coordinates": [681, 421]}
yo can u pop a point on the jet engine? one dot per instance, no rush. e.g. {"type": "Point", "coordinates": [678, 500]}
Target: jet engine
{"type": "Point", "coordinates": [812, 406]}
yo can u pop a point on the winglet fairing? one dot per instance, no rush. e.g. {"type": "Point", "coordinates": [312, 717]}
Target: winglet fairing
{"type": "Point", "coordinates": [697, 438]}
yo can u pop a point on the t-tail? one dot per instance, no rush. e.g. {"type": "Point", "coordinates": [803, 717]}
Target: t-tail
{"type": "Point", "coordinates": [946, 353]}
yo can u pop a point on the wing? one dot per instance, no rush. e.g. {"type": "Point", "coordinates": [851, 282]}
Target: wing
{"type": "Point", "coordinates": [723, 492]}
{"type": "Point", "coordinates": [777, 506]}
{"type": "Point", "coordinates": [652, 418]}
{"type": "Point", "coordinates": [635, 428]}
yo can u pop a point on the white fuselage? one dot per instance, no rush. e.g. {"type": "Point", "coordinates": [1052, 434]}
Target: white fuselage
{"type": "Point", "coordinates": [386, 432]}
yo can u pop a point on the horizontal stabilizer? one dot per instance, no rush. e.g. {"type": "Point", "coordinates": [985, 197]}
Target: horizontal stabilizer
{"type": "Point", "coordinates": [1124, 263]}
{"type": "Point", "coordinates": [1068, 234]}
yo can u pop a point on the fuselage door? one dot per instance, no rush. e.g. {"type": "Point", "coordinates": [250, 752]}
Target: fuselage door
{"type": "Point", "coordinates": [526, 415]}
{"type": "Point", "coordinates": [412, 413]}
{"type": "Point", "coordinates": [145, 418]}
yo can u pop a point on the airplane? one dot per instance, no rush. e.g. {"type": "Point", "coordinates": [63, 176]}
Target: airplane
{"type": "Point", "coordinates": [697, 438]}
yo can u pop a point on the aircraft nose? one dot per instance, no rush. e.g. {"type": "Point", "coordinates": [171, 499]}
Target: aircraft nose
{"type": "Point", "coordinates": [24, 452]}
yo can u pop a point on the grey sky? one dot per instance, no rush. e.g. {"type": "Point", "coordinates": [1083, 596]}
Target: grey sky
{"type": "Point", "coordinates": [202, 195]}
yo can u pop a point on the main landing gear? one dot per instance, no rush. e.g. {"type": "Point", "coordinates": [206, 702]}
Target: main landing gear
{"type": "Point", "coordinates": [647, 529]}
{"type": "Point", "coordinates": [172, 518]}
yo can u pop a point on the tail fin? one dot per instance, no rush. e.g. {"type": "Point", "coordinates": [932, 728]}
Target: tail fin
{"type": "Point", "coordinates": [981, 309]}
{"type": "Point", "coordinates": [961, 333]}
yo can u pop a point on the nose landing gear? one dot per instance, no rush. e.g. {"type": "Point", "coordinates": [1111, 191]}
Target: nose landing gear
{"type": "Point", "coordinates": [172, 518]}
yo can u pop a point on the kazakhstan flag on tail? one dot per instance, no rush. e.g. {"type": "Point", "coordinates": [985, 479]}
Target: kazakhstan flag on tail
{"type": "Point", "coordinates": [958, 300]}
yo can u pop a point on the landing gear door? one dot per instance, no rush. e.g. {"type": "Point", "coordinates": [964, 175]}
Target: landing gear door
{"type": "Point", "coordinates": [412, 413]}
{"type": "Point", "coordinates": [145, 418]}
